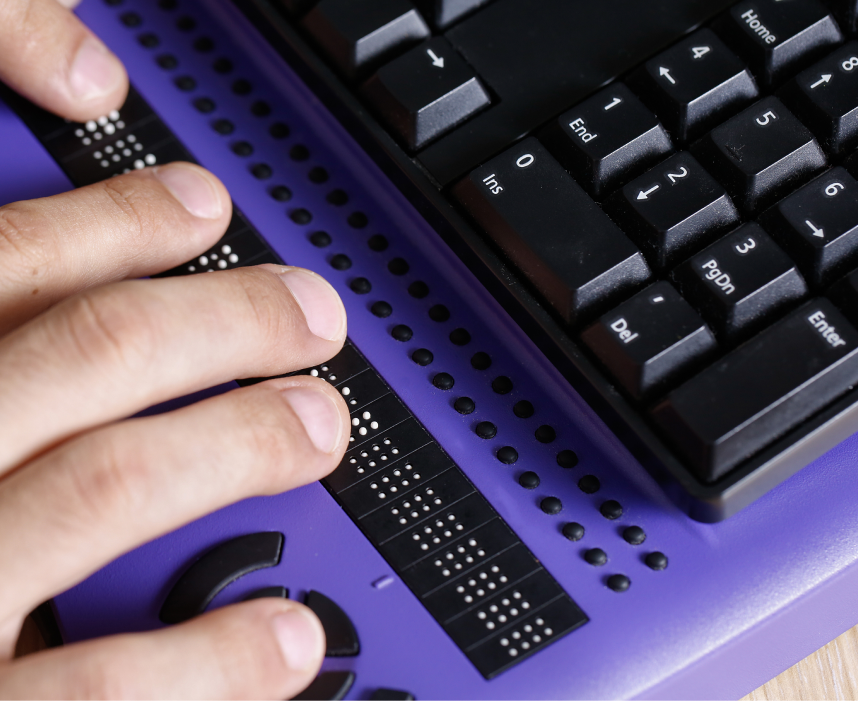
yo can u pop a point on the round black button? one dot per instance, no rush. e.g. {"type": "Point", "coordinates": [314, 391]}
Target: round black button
{"type": "Point", "coordinates": [595, 556]}
{"type": "Point", "coordinates": [573, 531]}
{"type": "Point", "coordinates": [529, 480]}
{"type": "Point", "coordinates": [167, 61]}
{"type": "Point", "coordinates": [357, 220]}
{"type": "Point", "coordinates": [545, 434]}
{"type": "Point", "coordinates": [222, 65]}
{"type": "Point", "coordinates": [611, 509]}
{"type": "Point", "coordinates": [443, 381]}
{"type": "Point", "coordinates": [377, 242]}
{"type": "Point", "coordinates": [656, 560]}
{"type": "Point", "coordinates": [551, 505]}
{"type": "Point", "coordinates": [618, 583]}
{"type": "Point", "coordinates": [301, 216]}
{"type": "Point", "coordinates": [384, 309]}
{"type": "Point", "coordinates": [186, 24]}
{"type": "Point", "coordinates": [419, 289]}
{"type": "Point", "coordinates": [204, 45]}
{"type": "Point", "coordinates": [360, 286]}
{"type": "Point", "coordinates": [148, 40]}
{"type": "Point", "coordinates": [486, 430]}
{"type": "Point", "coordinates": [423, 357]}
{"type": "Point", "coordinates": [589, 484]}
{"type": "Point", "coordinates": [523, 409]}
{"type": "Point", "coordinates": [185, 83]}
{"type": "Point", "coordinates": [299, 152]}
{"type": "Point", "coordinates": [241, 87]}
{"type": "Point", "coordinates": [508, 455]}
{"type": "Point", "coordinates": [401, 332]}
{"type": "Point", "coordinates": [337, 197]}
{"type": "Point", "coordinates": [341, 262]}
{"type": "Point", "coordinates": [439, 313]}
{"type": "Point", "coordinates": [223, 127]}
{"type": "Point", "coordinates": [320, 239]}
{"type": "Point", "coordinates": [317, 175]}
{"type": "Point", "coordinates": [281, 193]}
{"type": "Point", "coordinates": [502, 385]}
{"type": "Point", "coordinates": [567, 459]}
{"type": "Point", "coordinates": [481, 361]}
{"type": "Point", "coordinates": [278, 130]}
{"type": "Point", "coordinates": [464, 405]}
{"type": "Point", "coordinates": [398, 266]}
{"type": "Point", "coordinates": [260, 108]}
{"type": "Point", "coordinates": [242, 148]}
{"type": "Point", "coordinates": [460, 337]}
{"type": "Point", "coordinates": [634, 535]}
{"type": "Point", "coordinates": [204, 105]}
{"type": "Point", "coordinates": [261, 171]}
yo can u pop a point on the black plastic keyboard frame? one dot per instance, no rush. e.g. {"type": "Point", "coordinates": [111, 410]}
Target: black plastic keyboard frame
{"type": "Point", "coordinates": [711, 502]}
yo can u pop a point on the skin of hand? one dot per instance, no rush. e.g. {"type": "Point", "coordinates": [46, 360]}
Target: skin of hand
{"type": "Point", "coordinates": [84, 344]}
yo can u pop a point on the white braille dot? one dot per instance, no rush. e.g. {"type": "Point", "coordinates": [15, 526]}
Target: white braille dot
{"type": "Point", "coordinates": [102, 120]}
{"type": "Point", "coordinates": [150, 159]}
{"type": "Point", "coordinates": [138, 147]}
{"type": "Point", "coordinates": [517, 635]}
{"type": "Point", "coordinates": [204, 260]}
{"type": "Point", "coordinates": [126, 152]}
{"type": "Point", "coordinates": [97, 136]}
{"type": "Point", "coordinates": [332, 377]}
{"type": "Point", "coordinates": [503, 579]}
{"type": "Point", "coordinates": [491, 586]}
{"type": "Point", "coordinates": [97, 155]}
{"type": "Point", "coordinates": [469, 599]}
{"type": "Point", "coordinates": [355, 421]}
{"type": "Point", "coordinates": [472, 542]}
{"type": "Point", "coordinates": [113, 115]}
{"type": "Point", "coordinates": [131, 138]}
{"type": "Point", "coordinates": [547, 631]}
{"type": "Point", "coordinates": [493, 609]}
{"type": "Point", "coordinates": [79, 133]}
{"type": "Point", "coordinates": [87, 141]}
{"type": "Point", "coordinates": [536, 638]}
{"type": "Point", "coordinates": [525, 605]}
{"type": "Point", "coordinates": [109, 129]}
{"type": "Point", "coordinates": [445, 572]}
{"type": "Point", "coordinates": [481, 592]}
{"type": "Point", "coordinates": [374, 425]}
{"type": "Point", "coordinates": [539, 621]}
{"type": "Point", "coordinates": [513, 652]}
{"type": "Point", "coordinates": [192, 268]}
{"type": "Point", "coordinates": [505, 602]}
{"type": "Point", "coordinates": [517, 595]}
{"type": "Point", "coordinates": [214, 257]}
{"type": "Point", "coordinates": [525, 645]}
{"type": "Point", "coordinates": [120, 143]}
{"type": "Point", "coordinates": [438, 564]}
{"type": "Point", "coordinates": [116, 157]}
{"type": "Point", "coordinates": [481, 615]}
{"type": "Point", "coordinates": [362, 431]}
{"type": "Point", "coordinates": [105, 164]}
{"type": "Point", "coordinates": [138, 164]}
{"type": "Point", "coordinates": [528, 628]}
{"type": "Point", "coordinates": [108, 149]}
{"type": "Point", "coordinates": [91, 126]}
{"type": "Point", "coordinates": [502, 618]}
{"type": "Point", "coordinates": [366, 415]}
{"type": "Point", "coordinates": [222, 264]}
{"type": "Point", "coordinates": [120, 124]}
{"type": "Point", "coordinates": [490, 625]}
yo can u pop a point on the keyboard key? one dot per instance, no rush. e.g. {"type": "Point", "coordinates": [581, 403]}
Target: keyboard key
{"type": "Point", "coordinates": [844, 294]}
{"type": "Point", "coordinates": [425, 92]}
{"type": "Point", "coordinates": [776, 37]}
{"type": "Point", "coordinates": [817, 226]}
{"type": "Point", "coordinates": [609, 138]}
{"type": "Point", "coordinates": [849, 163]}
{"type": "Point", "coordinates": [694, 85]}
{"type": "Point", "coordinates": [357, 35]}
{"type": "Point", "coordinates": [673, 209]}
{"type": "Point", "coordinates": [825, 97]}
{"type": "Point", "coordinates": [845, 12]}
{"type": "Point", "coordinates": [741, 282]}
{"type": "Point", "coordinates": [548, 226]}
{"type": "Point", "coordinates": [761, 390]}
{"type": "Point", "coordinates": [760, 154]}
{"type": "Point", "coordinates": [651, 340]}
{"type": "Point", "coordinates": [442, 13]}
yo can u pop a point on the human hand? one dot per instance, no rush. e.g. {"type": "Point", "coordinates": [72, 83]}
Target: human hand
{"type": "Point", "coordinates": [82, 347]}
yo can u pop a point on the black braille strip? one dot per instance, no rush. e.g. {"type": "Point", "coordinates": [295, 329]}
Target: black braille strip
{"type": "Point", "coordinates": [439, 313]}
{"type": "Point", "coordinates": [523, 409]}
{"type": "Point", "coordinates": [341, 262]}
{"type": "Point", "coordinates": [419, 289]}
{"type": "Point", "coordinates": [320, 239]}
{"type": "Point", "coordinates": [481, 361]}
{"type": "Point", "coordinates": [358, 220]}
{"type": "Point", "coordinates": [595, 556]}
{"type": "Point", "coordinates": [634, 535]}
{"type": "Point", "coordinates": [398, 266]}
{"type": "Point", "coordinates": [223, 127]}
{"type": "Point", "coordinates": [545, 434]}
{"type": "Point", "coordinates": [401, 332]}
{"type": "Point", "coordinates": [204, 45]}
{"type": "Point", "coordinates": [317, 175]}
{"type": "Point", "coordinates": [260, 108]}
{"type": "Point", "coordinates": [261, 171]}
{"type": "Point", "coordinates": [278, 130]}
{"type": "Point", "coordinates": [573, 531]}
{"type": "Point", "coordinates": [423, 357]}
{"type": "Point", "coordinates": [502, 385]}
{"type": "Point", "coordinates": [281, 193]}
{"type": "Point", "coordinates": [464, 405]}
{"type": "Point", "coordinates": [443, 381]}
{"type": "Point", "coordinates": [204, 105]}
{"type": "Point", "coordinates": [186, 24]}
{"type": "Point", "coordinates": [377, 243]}
{"type": "Point", "coordinates": [551, 505]}
{"type": "Point", "coordinates": [360, 286]}
{"type": "Point", "coordinates": [529, 480]}
{"type": "Point", "coordinates": [656, 560]}
{"type": "Point", "coordinates": [130, 19]}
{"type": "Point", "coordinates": [566, 458]}
{"type": "Point", "coordinates": [301, 216]}
{"type": "Point", "coordinates": [242, 148]}
{"type": "Point", "coordinates": [486, 430]}
{"type": "Point", "coordinates": [148, 40]}
{"type": "Point", "coordinates": [337, 197]}
{"type": "Point", "coordinates": [167, 61]}
{"type": "Point", "coordinates": [299, 152]}
{"type": "Point", "coordinates": [611, 509]}
{"type": "Point", "coordinates": [618, 583]}
{"type": "Point", "coordinates": [507, 454]}
{"type": "Point", "coordinates": [589, 484]}
{"type": "Point", "coordinates": [241, 87]}
{"type": "Point", "coordinates": [384, 309]}
{"type": "Point", "coordinates": [186, 83]}
{"type": "Point", "coordinates": [222, 65]}
{"type": "Point", "coordinates": [460, 337]}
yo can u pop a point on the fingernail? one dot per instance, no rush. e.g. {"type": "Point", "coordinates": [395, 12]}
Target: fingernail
{"type": "Point", "coordinates": [318, 414]}
{"type": "Point", "coordinates": [94, 71]}
{"type": "Point", "coordinates": [301, 639]}
{"type": "Point", "coordinates": [193, 189]}
{"type": "Point", "coordinates": [320, 303]}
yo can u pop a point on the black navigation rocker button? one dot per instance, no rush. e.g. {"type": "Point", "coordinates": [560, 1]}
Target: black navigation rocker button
{"type": "Point", "coordinates": [330, 685]}
{"type": "Point", "coordinates": [341, 639]}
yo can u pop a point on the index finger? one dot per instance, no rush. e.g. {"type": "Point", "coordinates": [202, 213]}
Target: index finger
{"type": "Point", "coordinates": [50, 57]}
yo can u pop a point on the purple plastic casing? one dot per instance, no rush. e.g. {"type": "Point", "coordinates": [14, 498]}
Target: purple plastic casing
{"type": "Point", "coordinates": [739, 601]}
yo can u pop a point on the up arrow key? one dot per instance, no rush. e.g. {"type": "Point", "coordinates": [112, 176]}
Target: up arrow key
{"type": "Point", "coordinates": [644, 194]}
{"type": "Point", "coordinates": [664, 72]}
{"type": "Point", "coordinates": [437, 61]}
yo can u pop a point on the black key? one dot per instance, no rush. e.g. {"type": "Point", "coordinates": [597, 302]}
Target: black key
{"type": "Point", "coordinates": [651, 340]}
{"type": "Point", "coordinates": [824, 97]}
{"type": "Point", "coordinates": [845, 12]}
{"type": "Point", "coordinates": [609, 138]}
{"type": "Point", "coordinates": [760, 154]}
{"type": "Point", "coordinates": [817, 226]}
{"type": "Point", "coordinates": [761, 390]}
{"type": "Point", "coordinates": [345, 365]}
{"type": "Point", "coordinates": [741, 282]}
{"type": "Point", "coordinates": [393, 480]}
{"type": "Point", "coordinates": [558, 237]}
{"type": "Point", "coordinates": [390, 446]}
{"type": "Point", "coordinates": [844, 294]}
{"type": "Point", "coordinates": [465, 555]}
{"type": "Point", "coordinates": [216, 569]}
{"type": "Point", "coordinates": [278, 591]}
{"type": "Point", "coordinates": [850, 163]}
{"type": "Point", "coordinates": [672, 209]}
{"type": "Point", "coordinates": [776, 37]}
{"type": "Point", "coordinates": [329, 685]}
{"type": "Point", "coordinates": [341, 639]}
{"type": "Point", "coordinates": [442, 13]}
{"type": "Point", "coordinates": [357, 35]}
{"type": "Point", "coordinates": [694, 85]}
{"type": "Point", "coordinates": [425, 92]}
{"type": "Point", "coordinates": [377, 418]}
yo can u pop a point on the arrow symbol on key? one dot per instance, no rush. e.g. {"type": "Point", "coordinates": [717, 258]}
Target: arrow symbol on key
{"type": "Point", "coordinates": [664, 72]}
{"type": "Point", "coordinates": [437, 61]}
{"type": "Point", "coordinates": [814, 230]}
{"type": "Point", "coordinates": [824, 78]}
{"type": "Point", "coordinates": [644, 194]}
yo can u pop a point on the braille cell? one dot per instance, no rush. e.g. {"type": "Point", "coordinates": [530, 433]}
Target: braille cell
{"type": "Point", "coordinates": [401, 332]}
{"type": "Point", "coordinates": [278, 130]}
{"type": "Point", "coordinates": [464, 405]}
{"type": "Point", "coordinates": [419, 289]}
{"type": "Point", "coordinates": [398, 266]}
{"type": "Point", "coordinates": [341, 262]}
{"type": "Point", "coordinates": [502, 385]}
{"type": "Point", "coordinates": [242, 148]}
{"type": "Point", "coordinates": [281, 193]}
{"type": "Point", "coordinates": [261, 171]}
{"type": "Point", "coordinates": [337, 197]}
{"type": "Point", "coordinates": [567, 459]}
{"type": "Point", "coordinates": [439, 313]}
{"type": "Point", "coordinates": [130, 19]}
{"type": "Point", "coordinates": [460, 337]}
{"type": "Point", "coordinates": [300, 216]}
{"type": "Point", "coordinates": [573, 531]}
{"type": "Point", "coordinates": [443, 381]}
{"type": "Point", "coordinates": [383, 309]}
{"type": "Point", "coordinates": [320, 239]}
{"type": "Point", "coordinates": [204, 105]}
{"type": "Point", "coordinates": [377, 243]}
{"type": "Point", "coordinates": [611, 509]}
{"type": "Point", "coordinates": [185, 83]}
{"type": "Point", "coordinates": [260, 108]}
{"type": "Point", "coordinates": [317, 175]}
{"type": "Point", "coordinates": [551, 505]}
{"type": "Point", "coordinates": [186, 24]}
{"type": "Point", "coordinates": [204, 45]}
{"type": "Point", "coordinates": [529, 480]}
{"type": "Point", "coordinates": [545, 434]}
{"type": "Point", "coordinates": [523, 409]}
{"type": "Point", "coordinates": [223, 127]}
{"type": "Point", "coordinates": [423, 357]}
{"type": "Point", "coordinates": [222, 65]}
{"type": "Point", "coordinates": [507, 454]}
{"type": "Point", "coordinates": [167, 61]}
{"type": "Point", "coordinates": [360, 286]}
{"type": "Point", "coordinates": [241, 86]}
{"type": "Point", "coordinates": [595, 556]}
{"type": "Point", "coordinates": [299, 152]}
{"type": "Point", "coordinates": [634, 535]}
{"type": "Point", "coordinates": [486, 430]}
{"type": "Point", "coordinates": [618, 583]}
{"type": "Point", "coordinates": [589, 484]}
{"type": "Point", "coordinates": [357, 220]}
{"type": "Point", "coordinates": [656, 560]}
{"type": "Point", "coordinates": [148, 40]}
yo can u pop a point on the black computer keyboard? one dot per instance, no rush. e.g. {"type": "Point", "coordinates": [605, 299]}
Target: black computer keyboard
{"type": "Point", "coordinates": [663, 194]}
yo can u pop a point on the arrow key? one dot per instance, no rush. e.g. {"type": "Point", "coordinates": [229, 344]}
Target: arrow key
{"type": "Point", "coordinates": [425, 92]}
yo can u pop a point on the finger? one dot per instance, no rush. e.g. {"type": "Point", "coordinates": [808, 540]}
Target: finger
{"type": "Point", "coordinates": [265, 649]}
{"type": "Point", "coordinates": [165, 470]}
{"type": "Point", "coordinates": [112, 351]}
{"type": "Point", "coordinates": [129, 226]}
{"type": "Point", "coordinates": [47, 55]}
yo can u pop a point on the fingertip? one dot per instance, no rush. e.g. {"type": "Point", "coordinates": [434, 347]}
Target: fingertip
{"type": "Point", "coordinates": [300, 638]}
{"type": "Point", "coordinates": [195, 188]}
{"type": "Point", "coordinates": [97, 81]}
